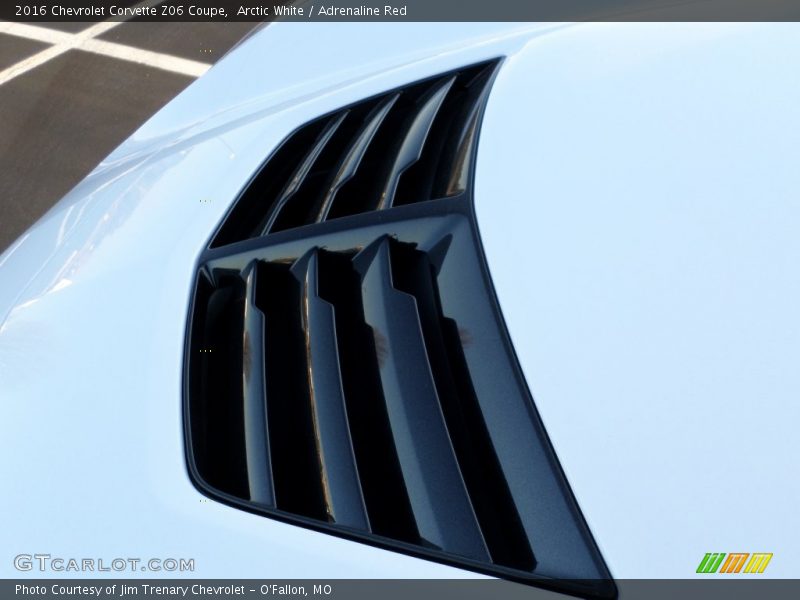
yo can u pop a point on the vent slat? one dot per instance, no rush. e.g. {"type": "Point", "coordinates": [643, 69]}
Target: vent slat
{"type": "Point", "coordinates": [444, 162]}
{"type": "Point", "coordinates": [452, 176]}
{"type": "Point", "coordinates": [438, 497]}
{"type": "Point", "coordinates": [414, 139]}
{"type": "Point", "coordinates": [249, 215]}
{"type": "Point", "coordinates": [295, 463]}
{"type": "Point", "coordinates": [342, 493]}
{"type": "Point", "coordinates": [382, 481]}
{"type": "Point", "coordinates": [352, 159]}
{"type": "Point", "coordinates": [254, 395]}
{"type": "Point", "coordinates": [299, 175]}
{"type": "Point", "coordinates": [496, 511]}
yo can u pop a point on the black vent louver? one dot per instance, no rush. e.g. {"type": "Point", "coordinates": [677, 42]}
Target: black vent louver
{"type": "Point", "coordinates": [348, 368]}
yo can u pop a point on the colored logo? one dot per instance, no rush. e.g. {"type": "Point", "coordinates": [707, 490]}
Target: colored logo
{"type": "Point", "coordinates": [714, 562]}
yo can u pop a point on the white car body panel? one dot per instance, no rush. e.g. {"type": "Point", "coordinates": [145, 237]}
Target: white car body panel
{"type": "Point", "coordinates": [675, 444]}
{"type": "Point", "coordinates": [641, 223]}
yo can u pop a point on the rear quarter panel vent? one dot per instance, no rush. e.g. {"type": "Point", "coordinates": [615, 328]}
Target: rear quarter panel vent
{"type": "Point", "coordinates": [347, 366]}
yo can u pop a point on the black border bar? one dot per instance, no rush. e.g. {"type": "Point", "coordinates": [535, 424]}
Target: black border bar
{"type": "Point", "coordinates": [739, 588]}
{"type": "Point", "coordinates": [399, 11]}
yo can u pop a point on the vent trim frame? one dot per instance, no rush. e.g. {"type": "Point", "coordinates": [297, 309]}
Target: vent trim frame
{"type": "Point", "coordinates": [455, 211]}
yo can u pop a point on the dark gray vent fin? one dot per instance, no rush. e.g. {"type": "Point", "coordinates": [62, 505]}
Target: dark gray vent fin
{"type": "Point", "coordinates": [303, 169]}
{"type": "Point", "coordinates": [458, 154]}
{"type": "Point", "coordinates": [414, 141]}
{"type": "Point", "coordinates": [352, 158]}
{"type": "Point", "coordinates": [441, 506]}
{"type": "Point", "coordinates": [254, 395]}
{"type": "Point", "coordinates": [341, 488]}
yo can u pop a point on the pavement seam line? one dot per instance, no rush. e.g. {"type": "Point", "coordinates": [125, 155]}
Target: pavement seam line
{"type": "Point", "coordinates": [67, 42]}
{"type": "Point", "coordinates": [61, 42]}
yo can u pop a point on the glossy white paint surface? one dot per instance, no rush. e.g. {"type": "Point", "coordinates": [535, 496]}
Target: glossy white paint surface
{"type": "Point", "coordinates": [637, 193]}
{"type": "Point", "coordinates": [639, 215]}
